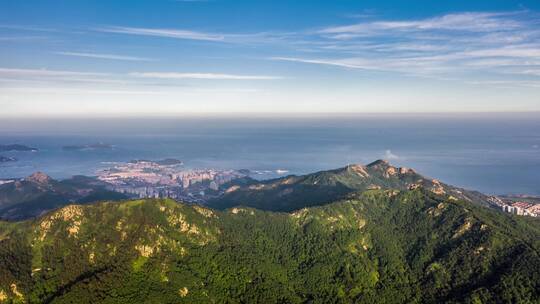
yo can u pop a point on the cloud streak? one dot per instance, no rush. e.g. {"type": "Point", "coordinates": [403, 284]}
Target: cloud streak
{"type": "Point", "coordinates": [7, 72]}
{"type": "Point", "coordinates": [458, 46]}
{"type": "Point", "coordinates": [168, 33]}
{"type": "Point", "coordinates": [104, 56]}
{"type": "Point", "coordinates": [205, 76]}
{"type": "Point", "coordinates": [45, 78]}
{"type": "Point", "coordinates": [469, 21]}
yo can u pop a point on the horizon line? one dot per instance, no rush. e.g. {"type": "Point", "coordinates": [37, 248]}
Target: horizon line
{"type": "Point", "coordinates": [262, 115]}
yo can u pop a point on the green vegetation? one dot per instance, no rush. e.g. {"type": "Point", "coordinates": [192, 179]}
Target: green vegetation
{"type": "Point", "coordinates": [39, 193]}
{"type": "Point", "coordinates": [378, 246]}
{"type": "Point", "coordinates": [294, 192]}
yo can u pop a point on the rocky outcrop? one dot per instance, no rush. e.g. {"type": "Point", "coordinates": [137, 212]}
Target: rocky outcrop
{"type": "Point", "coordinates": [39, 178]}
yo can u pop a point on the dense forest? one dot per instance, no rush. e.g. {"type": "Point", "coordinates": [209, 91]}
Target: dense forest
{"type": "Point", "coordinates": [375, 246]}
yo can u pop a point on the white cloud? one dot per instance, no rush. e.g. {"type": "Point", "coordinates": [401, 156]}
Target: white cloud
{"type": "Point", "coordinates": [332, 62]}
{"type": "Point", "coordinates": [210, 76]}
{"type": "Point", "coordinates": [104, 56]}
{"type": "Point", "coordinates": [388, 155]}
{"type": "Point", "coordinates": [169, 33]}
{"type": "Point", "coordinates": [468, 21]}
{"type": "Point", "coordinates": [463, 46]}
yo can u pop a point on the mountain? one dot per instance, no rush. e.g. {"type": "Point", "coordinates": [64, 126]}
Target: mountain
{"type": "Point", "coordinates": [39, 193]}
{"type": "Point", "coordinates": [295, 192]}
{"type": "Point", "coordinates": [379, 246]}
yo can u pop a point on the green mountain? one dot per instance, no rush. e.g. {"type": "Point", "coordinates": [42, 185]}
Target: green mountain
{"type": "Point", "coordinates": [40, 193]}
{"type": "Point", "coordinates": [379, 246]}
{"type": "Point", "coordinates": [296, 192]}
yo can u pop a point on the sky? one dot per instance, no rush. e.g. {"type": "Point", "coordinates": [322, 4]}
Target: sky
{"type": "Point", "coordinates": [172, 57]}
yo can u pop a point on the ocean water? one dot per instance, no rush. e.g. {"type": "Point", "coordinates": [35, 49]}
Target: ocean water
{"type": "Point", "coordinates": [492, 153]}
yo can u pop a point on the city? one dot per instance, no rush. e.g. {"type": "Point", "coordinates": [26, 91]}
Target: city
{"type": "Point", "coordinates": [168, 179]}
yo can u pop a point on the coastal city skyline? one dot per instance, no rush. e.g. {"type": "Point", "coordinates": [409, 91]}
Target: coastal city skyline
{"type": "Point", "coordinates": [87, 58]}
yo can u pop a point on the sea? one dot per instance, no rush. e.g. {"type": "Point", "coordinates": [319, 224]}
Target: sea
{"type": "Point", "coordinates": [495, 153]}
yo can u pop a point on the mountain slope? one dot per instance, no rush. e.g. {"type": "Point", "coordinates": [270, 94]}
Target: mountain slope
{"type": "Point", "coordinates": [39, 193]}
{"type": "Point", "coordinates": [373, 247]}
{"type": "Point", "coordinates": [295, 192]}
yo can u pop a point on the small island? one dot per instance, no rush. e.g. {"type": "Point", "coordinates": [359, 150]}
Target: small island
{"type": "Point", "coordinates": [16, 147]}
{"type": "Point", "coordinates": [5, 159]}
{"type": "Point", "coordinates": [95, 146]}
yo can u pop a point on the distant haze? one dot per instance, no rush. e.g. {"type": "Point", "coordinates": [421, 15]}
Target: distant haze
{"type": "Point", "coordinates": [494, 153]}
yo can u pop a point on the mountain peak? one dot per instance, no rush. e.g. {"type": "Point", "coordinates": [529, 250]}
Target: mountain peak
{"type": "Point", "coordinates": [39, 178]}
{"type": "Point", "coordinates": [379, 163]}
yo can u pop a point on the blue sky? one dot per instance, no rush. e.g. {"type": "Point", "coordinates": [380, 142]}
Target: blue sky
{"type": "Point", "coordinates": [173, 57]}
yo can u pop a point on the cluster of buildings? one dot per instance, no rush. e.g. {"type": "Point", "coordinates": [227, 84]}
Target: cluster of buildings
{"type": "Point", "coordinates": [159, 179]}
{"type": "Point", "coordinates": [523, 208]}
{"type": "Point", "coordinates": [516, 206]}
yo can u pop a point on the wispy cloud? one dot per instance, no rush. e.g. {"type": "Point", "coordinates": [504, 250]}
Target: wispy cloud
{"type": "Point", "coordinates": [449, 46]}
{"type": "Point", "coordinates": [51, 77]}
{"type": "Point", "coordinates": [208, 76]}
{"type": "Point", "coordinates": [388, 155]}
{"type": "Point", "coordinates": [345, 63]}
{"type": "Point", "coordinates": [105, 56]}
{"type": "Point", "coordinates": [469, 21]}
{"type": "Point", "coordinates": [44, 78]}
{"type": "Point", "coordinates": [157, 32]}
{"type": "Point", "coordinates": [6, 72]}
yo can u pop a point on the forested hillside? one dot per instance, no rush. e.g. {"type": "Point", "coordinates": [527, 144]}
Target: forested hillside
{"type": "Point", "coordinates": [379, 246]}
{"type": "Point", "coordinates": [294, 192]}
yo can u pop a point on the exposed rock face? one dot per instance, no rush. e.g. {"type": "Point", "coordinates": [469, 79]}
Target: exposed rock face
{"type": "Point", "coordinates": [39, 178]}
{"type": "Point", "coordinates": [404, 170]}
{"type": "Point", "coordinates": [374, 187]}
{"type": "Point", "coordinates": [360, 170]}
{"type": "Point", "coordinates": [390, 171]}
{"type": "Point", "coordinates": [437, 187]}
{"type": "Point", "coordinates": [386, 168]}
{"type": "Point", "coordinates": [232, 189]}
{"type": "Point", "coordinates": [464, 228]}
{"type": "Point", "coordinates": [72, 214]}
{"type": "Point", "coordinates": [414, 186]}
{"type": "Point", "coordinates": [183, 292]}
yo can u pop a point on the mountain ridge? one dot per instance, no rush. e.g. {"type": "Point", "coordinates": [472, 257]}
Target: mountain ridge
{"type": "Point", "coordinates": [39, 193]}
{"type": "Point", "coordinates": [294, 192]}
{"type": "Point", "coordinates": [375, 246]}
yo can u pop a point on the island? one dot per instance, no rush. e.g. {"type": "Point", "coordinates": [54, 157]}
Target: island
{"type": "Point", "coordinates": [95, 146]}
{"type": "Point", "coordinates": [16, 147]}
{"type": "Point", "coordinates": [5, 159]}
